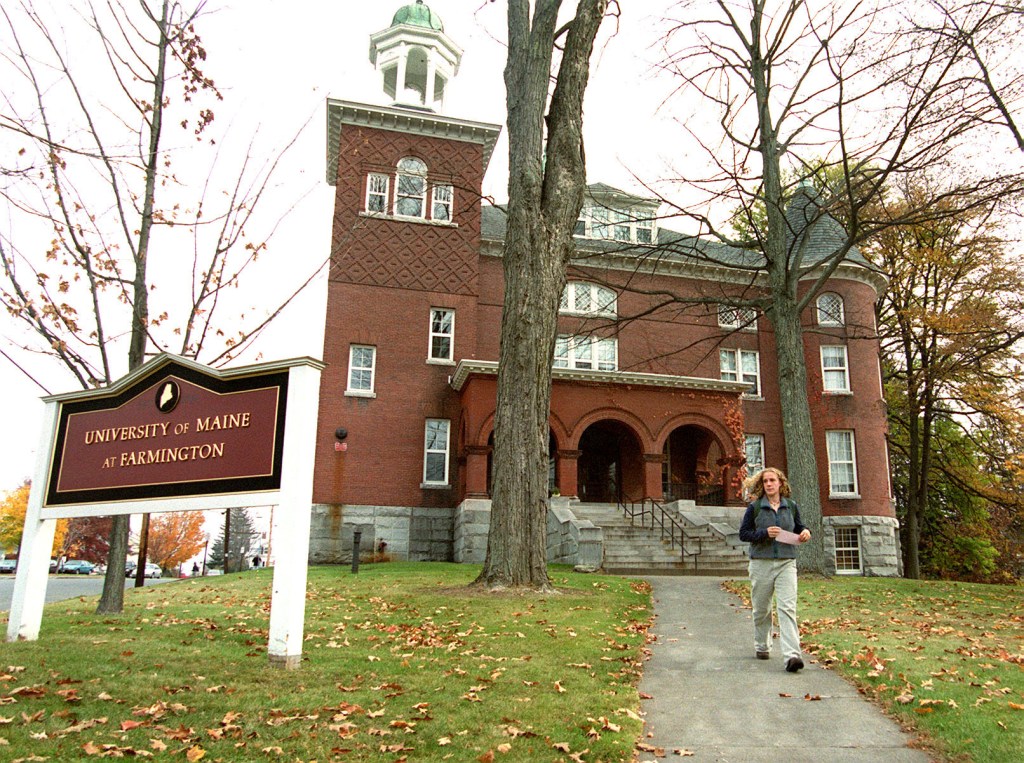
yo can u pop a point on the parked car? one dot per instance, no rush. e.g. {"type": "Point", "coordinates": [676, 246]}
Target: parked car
{"type": "Point", "coordinates": [8, 566]}
{"type": "Point", "coordinates": [76, 567]}
{"type": "Point", "coordinates": [153, 570]}
{"type": "Point", "coordinates": [129, 569]}
{"type": "Point", "coordinates": [53, 565]}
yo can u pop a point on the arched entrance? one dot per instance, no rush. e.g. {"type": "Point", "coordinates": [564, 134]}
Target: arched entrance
{"type": "Point", "coordinates": [691, 471]}
{"type": "Point", "coordinates": [610, 466]}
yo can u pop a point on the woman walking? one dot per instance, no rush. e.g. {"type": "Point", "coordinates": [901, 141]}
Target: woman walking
{"type": "Point", "coordinates": [772, 527]}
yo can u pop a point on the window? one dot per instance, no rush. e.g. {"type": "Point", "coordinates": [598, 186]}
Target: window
{"type": "Point", "coordinates": [847, 550]}
{"type": "Point", "coordinates": [742, 365]}
{"type": "Point", "coordinates": [587, 299]}
{"type": "Point", "coordinates": [737, 318]}
{"type": "Point", "coordinates": [442, 333]}
{"type": "Point", "coordinates": [842, 464]}
{"type": "Point", "coordinates": [442, 206]}
{"type": "Point", "coordinates": [754, 445]}
{"type": "Point", "coordinates": [834, 368]}
{"type": "Point", "coordinates": [435, 452]}
{"type": "Point", "coordinates": [361, 359]}
{"type": "Point", "coordinates": [585, 352]}
{"type": "Point", "coordinates": [377, 193]}
{"type": "Point", "coordinates": [632, 225]}
{"type": "Point", "coordinates": [830, 310]}
{"type": "Point", "coordinates": [645, 231]}
{"type": "Point", "coordinates": [410, 199]}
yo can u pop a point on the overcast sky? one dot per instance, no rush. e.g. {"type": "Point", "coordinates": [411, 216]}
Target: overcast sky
{"type": "Point", "coordinates": [277, 63]}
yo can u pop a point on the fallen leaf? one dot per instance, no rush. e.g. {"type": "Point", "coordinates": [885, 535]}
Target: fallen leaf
{"type": "Point", "coordinates": [194, 754]}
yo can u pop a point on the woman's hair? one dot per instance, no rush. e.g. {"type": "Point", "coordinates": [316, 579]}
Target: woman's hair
{"type": "Point", "coordinates": [754, 486]}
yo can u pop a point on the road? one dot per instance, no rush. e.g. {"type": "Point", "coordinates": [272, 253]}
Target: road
{"type": "Point", "coordinates": [60, 587]}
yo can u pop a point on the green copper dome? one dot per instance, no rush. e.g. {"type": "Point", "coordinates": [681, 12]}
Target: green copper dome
{"type": "Point", "coordinates": [418, 14]}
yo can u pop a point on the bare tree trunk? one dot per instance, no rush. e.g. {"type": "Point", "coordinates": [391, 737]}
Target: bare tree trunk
{"type": "Point", "coordinates": [545, 198]}
{"type": "Point", "coordinates": [801, 464]}
{"type": "Point", "coordinates": [112, 598]}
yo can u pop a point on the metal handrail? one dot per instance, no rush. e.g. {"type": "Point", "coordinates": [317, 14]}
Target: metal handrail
{"type": "Point", "coordinates": [666, 522]}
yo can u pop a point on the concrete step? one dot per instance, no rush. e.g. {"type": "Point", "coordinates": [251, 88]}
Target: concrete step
{"type": "Point", "coordinates": [632, 549]}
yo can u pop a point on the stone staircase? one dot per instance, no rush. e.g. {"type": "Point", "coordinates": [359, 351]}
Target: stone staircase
{"type": "Point", "coordinates": [713, 546]}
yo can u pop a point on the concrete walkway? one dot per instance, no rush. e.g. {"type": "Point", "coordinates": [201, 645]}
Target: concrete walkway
{"type": "Point", "coordinates": [710, 696]}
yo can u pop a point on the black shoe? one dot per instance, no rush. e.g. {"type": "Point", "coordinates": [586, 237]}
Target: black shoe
{"type": "Point", "coordinates": [763, 655]}
{"type": "Point", "coordinates": [793, 664]}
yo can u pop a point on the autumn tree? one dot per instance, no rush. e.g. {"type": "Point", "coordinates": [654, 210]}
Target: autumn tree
{"type": "Point", "coordinates": [12, 520]}
{"type": "Point", "coordinates": [950, 334]}
{"type": "Point", "coordinates": [113, 245]}
{"type": "Point", "coordinates": [87, 538]}
{"type": "Point", "coordinates": [777, 92]}
{"type": "Point", "coordinates": [12, 517]}
{"type": "Point", "coordinates": [175, 537]}
{"type": "Point", "coordinates": [547, 176]}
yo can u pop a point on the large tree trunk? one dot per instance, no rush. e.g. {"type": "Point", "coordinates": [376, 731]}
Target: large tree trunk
{"type": "Point", "coordinates": [545, 196]}
{"type": "Point", "coordinates": [801, 464]}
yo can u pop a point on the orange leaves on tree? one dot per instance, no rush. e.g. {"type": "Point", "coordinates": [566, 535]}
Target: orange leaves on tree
{"type": "Point", "coordinates": [175, 537]}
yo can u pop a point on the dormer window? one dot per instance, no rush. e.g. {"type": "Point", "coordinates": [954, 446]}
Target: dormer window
{"type": "Point", "coordinates": [630, 226]}
{"type": "Point", "coordinates": [587, 299]}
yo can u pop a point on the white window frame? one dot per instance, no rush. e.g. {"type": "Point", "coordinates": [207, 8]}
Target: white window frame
{"type": "Point", "coordinates": [431, 450]}
{"type": "Point", "coordinates": [734, 370]}
{"type": "Point", "coordinates": [602, 300]}
{"type": "Point", "coordinates": [442, 196]}
{"type": "Point", "coordinates": [835, 379]}
{"type": "Point", "coordinates": [744, 318]}
{"type": "Point", "coordinates": [436, 334]}
{"type": "Point", "coordinates": [361, 391]}
{"type": "Point", "coordinates": [834, 315]}
{"type": "Point", "coordinates": [835, 462]}
{"type": "Point", "coordinates": [599, 222]}
{"type": "Point", "coordinates": [382, 194]}
{"type": "Point", "coordinates": [847, 545]}
{"type": "Point", "coordinates": [411, 169]}
{"type": "Point", "coordinates": [588, 352]}
{"type": "Point", "coordinates": [758, 441]}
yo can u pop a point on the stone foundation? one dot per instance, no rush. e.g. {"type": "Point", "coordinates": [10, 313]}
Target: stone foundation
{"type": "Point", "coordinates": [879, 548]}
{"type": "Point", "coordinates": [407, 533]}
{"type": "Point", "coordinates": [440, 535]}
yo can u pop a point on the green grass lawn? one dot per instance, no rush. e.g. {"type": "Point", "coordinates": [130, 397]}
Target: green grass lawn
{"type": "Point", "coordinates": [400, 661]}
{"type": "Point", "coordinates": [944, 658]}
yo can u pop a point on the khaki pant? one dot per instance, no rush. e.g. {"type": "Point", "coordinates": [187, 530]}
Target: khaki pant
{"type": "Point", "coordinates": [774, 577]}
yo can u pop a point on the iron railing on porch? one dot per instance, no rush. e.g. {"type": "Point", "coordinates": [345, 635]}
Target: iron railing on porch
{"type": "Point", "coordinates": [652, 514]}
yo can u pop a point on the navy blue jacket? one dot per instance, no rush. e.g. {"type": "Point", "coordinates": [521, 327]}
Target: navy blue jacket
{"type": "Point", "coordinates": [758, 517]}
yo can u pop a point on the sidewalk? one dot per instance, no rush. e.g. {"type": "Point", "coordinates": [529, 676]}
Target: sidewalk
{"type": "Point", "coordinates": [710, 696]}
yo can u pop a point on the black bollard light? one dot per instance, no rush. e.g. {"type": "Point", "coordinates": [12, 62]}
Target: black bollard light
{"type": "Point", "coordinates": [356, 537]}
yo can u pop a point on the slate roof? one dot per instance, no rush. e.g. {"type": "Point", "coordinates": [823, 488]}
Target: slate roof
{"type": "Point", "coordinates": [820, 235]}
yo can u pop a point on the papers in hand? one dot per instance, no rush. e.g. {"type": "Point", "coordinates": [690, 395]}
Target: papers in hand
{"type": "Point", "coordinates": [785, 536]}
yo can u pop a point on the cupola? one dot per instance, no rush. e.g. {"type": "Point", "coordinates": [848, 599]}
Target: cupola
{"type": "Point", "coordinates": [415, 57]}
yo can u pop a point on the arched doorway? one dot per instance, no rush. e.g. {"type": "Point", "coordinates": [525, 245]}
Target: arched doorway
{"type": "Point", "coordinates": [610, 465]}
{"type": "Point", "coordinates": [690, 471]}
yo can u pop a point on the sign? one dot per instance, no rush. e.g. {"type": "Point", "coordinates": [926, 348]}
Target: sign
{"type": "Point", "coordinates": [177, 433]}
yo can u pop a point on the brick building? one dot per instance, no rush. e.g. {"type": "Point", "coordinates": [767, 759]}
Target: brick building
{"type": "Point", "coordinates": [671, 404]}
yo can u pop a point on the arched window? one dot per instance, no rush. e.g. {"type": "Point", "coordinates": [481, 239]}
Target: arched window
{"type": "Point", "coordinates": [587, 299]}
{"type": "Point", "coordinates": [830, 310]}
{"type": "Point", "coordinates": [411, 189]}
